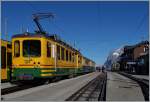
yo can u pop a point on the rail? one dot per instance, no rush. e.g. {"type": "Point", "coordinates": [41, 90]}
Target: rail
{"type": "Point", "coordinates": [95, 90]}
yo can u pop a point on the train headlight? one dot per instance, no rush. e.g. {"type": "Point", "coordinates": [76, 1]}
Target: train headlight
{"type": "Point", "coordinates": [36, 66]}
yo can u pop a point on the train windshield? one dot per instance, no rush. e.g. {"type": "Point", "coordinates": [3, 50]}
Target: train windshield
{"type": "Point", "coordinates": [31, 48]}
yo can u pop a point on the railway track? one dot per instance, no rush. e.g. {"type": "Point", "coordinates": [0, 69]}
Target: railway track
{"type": "Point", "coordinates": [23, 86]}
{"type": "Point", "coordinates": [16, 88]}
{"type": "Point", "coordinates": [144, 84]}
{"type": "Point", "coordinates": [95, 90]}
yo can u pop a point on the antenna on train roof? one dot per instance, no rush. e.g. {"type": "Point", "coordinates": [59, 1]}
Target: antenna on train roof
{"type": "Point", "coordinates": [37, 17]}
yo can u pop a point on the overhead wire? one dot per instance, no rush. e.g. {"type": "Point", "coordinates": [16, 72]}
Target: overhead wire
{"type": "Point", "coordinates": [146, 15]}
{"type": "Point", "coordinates": [141, 22]}
{"type": "Point", "coordinates": [35, 9]}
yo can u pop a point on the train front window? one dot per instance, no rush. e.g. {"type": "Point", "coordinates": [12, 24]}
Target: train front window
{"type": "Point", "coordinates": [17, 48]}
{"type": "Point", "coordinates": [31, 48]}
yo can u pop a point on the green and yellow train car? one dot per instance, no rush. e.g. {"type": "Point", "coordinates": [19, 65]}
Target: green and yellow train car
{"type": "Point", "coordinates": [6, 60]}
{"type": "Point", "coordinates": [37, 56]}
{"type": "Point", "coordinates": [88, 65]}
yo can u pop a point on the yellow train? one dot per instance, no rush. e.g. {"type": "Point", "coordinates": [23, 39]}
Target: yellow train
{"type": "Point", "coordinates": [41, 56]}
{"type": "Point", "coordinates": [36, 56]}
{"type": "Point", "coordinates": [6, 60]}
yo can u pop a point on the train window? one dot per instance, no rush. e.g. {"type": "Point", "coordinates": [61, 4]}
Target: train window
{"type": "Point", "coordinates": [48, 49]}
{"type": "Point", "coordinates": [9, 59]}
{"type": "Point", "coordinates": [74, 57]}
{"type": "Point", "coordinates": [58, 52]}
{"type": "Point", "coordinates": [70, 56]}
{"type": "Point", "coordinates": [17, 48]}
{"type": "Point", "coordinates": [9, 46]}
{"type": "Point", "coordinates": [79, 59]}
{"type": "Point", "coordinates": [66, 55]}
{"type": "Point", "coordinates": [3, 57]}
{"type": "Point", "coordinates": [32, 48]}
{"type": "Point", "coordinates": [62, 53]}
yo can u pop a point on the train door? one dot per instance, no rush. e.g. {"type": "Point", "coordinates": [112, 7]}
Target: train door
{"type": "Point", "coordinates": [54, 55]}
{"type": "Point", "coordinates": [3, 63]}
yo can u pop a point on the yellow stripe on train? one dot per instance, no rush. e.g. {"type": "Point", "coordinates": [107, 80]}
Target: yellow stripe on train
{"type": "Point", "coordinates": [47, 70]}
{"type": "Point", "coordinates": [46, 74]}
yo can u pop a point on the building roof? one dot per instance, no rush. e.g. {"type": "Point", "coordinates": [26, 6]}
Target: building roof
{"type": "Point", "coordinates": [131, 47]}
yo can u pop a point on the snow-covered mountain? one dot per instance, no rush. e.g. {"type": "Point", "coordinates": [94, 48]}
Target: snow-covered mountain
{"type": "Point", "coordinates": [113, 57]}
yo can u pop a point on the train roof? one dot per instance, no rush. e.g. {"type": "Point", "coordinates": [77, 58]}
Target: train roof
{"type": "Point", "coordinates": [53, 37]}
{"type": "Point", "coordinates": [26, 34]}
{"type": "Point", "coordinates": [88, 59]}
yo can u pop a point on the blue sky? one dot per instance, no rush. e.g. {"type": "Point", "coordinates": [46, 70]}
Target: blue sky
{"type": "Point", "coordinates": [97, 28]}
